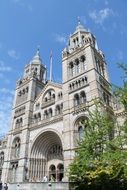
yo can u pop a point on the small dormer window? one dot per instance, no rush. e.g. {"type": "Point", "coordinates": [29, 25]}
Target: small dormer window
{"type": "Point", "coordinates": [46, 99]}
{"type": "Point", "coordinates": [27, 71]}
{"type": "Point", "coordinates": [27, 89]}
{"type": "Point", "coordinates": [23, 91]}
{"type": "Point", "coordinates": [19, 93]}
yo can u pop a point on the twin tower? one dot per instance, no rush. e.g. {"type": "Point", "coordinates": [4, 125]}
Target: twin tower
{"type": "Point", "coordinates": [46, 116]}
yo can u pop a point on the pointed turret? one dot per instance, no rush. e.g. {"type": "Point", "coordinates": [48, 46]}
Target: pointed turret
{"type": "Point", "coordinates": [79, 38]}
{"type": "Point", "coordinates": [37, 59]}
{"type": "Point", "coordinates": [36, 68]}
{"type": "Point", "coordinates": [80, 27]}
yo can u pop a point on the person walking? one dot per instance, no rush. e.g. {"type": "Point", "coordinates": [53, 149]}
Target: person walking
{"type": "Point", "coordinates": [5, 186]}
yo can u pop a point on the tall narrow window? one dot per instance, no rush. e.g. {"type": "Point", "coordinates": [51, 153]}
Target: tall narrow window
{"type": "Point", "coordinates": [83, 62]}
{"type": "Point", "coordinates": [16, 148]}
{"type": "Point", "coordinates": [60, 172]}
{"type": "Point", "coordinates": [50, 112]}
{"type": "Point", "coordinates": [80, 132]}
{"type": "Point", "coordinates": [77, 64]}
{"type": "Point", "coordinates": [82, 97]}
{"type": "Point", "coordinates": [76, 100]}
{"type": "Point", "coordinates": [52, 173]}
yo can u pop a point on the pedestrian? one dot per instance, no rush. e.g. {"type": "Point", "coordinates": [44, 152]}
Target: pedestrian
{"type": "Point", "coordinates": [5, 186]}
{"type": "Point", "coordinates": [0, 185]}
{"type": "Point", "coordinates": [45, 179]}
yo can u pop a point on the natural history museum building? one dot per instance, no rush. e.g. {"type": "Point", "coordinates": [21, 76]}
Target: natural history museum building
{"type": "Point", "coordinates": [46, 116]}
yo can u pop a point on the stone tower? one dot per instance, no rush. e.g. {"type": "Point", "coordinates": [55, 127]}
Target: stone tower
{"type": "Point", "coordinates": [85, 78]}
{"type": "Point", "coordinates": [47, 116]}
{"type": "Point", "coordinates": [27, 89]}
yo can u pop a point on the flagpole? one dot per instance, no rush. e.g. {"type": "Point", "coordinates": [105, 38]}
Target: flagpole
{"type": "Point", "coordinates": [51, 66]}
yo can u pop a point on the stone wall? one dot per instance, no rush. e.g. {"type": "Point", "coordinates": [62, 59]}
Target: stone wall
{"type": "Point", "coordinates": [39, 186]}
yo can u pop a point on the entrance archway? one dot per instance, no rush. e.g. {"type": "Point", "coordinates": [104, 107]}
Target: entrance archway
{"type": "Point", "coordinates": [46, 150]}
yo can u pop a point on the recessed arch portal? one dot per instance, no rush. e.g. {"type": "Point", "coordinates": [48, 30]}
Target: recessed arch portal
{"type": "Point", "coordinates": [46, 149]}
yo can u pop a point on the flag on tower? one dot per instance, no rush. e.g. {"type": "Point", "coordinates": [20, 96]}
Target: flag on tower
{"type": "Point", "coordinates": [51, 66]}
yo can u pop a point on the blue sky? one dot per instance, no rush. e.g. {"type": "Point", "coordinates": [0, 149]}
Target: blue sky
{"type": "Point", "coordinates": [27, 24]}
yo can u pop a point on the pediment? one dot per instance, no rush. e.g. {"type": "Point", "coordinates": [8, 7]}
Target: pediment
{"type": "Point", "coordinates": [50, 86]}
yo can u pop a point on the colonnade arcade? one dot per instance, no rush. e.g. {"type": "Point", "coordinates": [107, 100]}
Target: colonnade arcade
{"type": "Point", "coordinates": [46, 158]}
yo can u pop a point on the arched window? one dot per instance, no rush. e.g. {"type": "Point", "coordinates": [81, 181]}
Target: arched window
{"type": "Point", "coordinates": [83, 39]}
{"type": "Point", "coordinates": [73, 86]}
{"type": "Point", "coordinates": [70, 87]}
{"type": "Point", "coordinates": [16, 148]}
{"type": "Point", "coordinates": [74, 43]}
{"type": "Point", "coordinates": [82, 97]}
{"type": "Point", "coordinates": [79, 83]}
{"type": "Point", "coordinates": [13, 172]}
{"type": "Point", "coordinates": [57, 111]}
{"type": "Point", "coordinates": [80, 132]}
{"type": "Point", "coordinates": [52, 173]}
{"type": "Point", "coordinates": [1, 159]}
{"type": "Point", "coordinates": [83, 62]}
{"type": "Point", "coordinates": [39, 116]}
{"type": "Point", "coordinates": [35, 118]}
{"type": "Point", "coordinates": [86, 80]}
{"type": "Point", "coordinates": [60, 94]}
{"type": "Point", "coordinates": [60, 172]}
{"type": "Point", "coordinates": [19, 123]}
{"type": "Point", "coordinates": [45, 114]}
{"type": "Point", "coordinates": [53, 96]}
{"type": "Point", "coordinates": [76, 100]}
{"type": "Point", "coordinates": [77, 66]}
{"type": "Point", "coordinates": [49, 95]}
{"type": "Point", "coordinates": [106, 98]}
{"type": "Point", "coordinates": [27, 88]}
{"type": "Point", "coordinates": [50, 112]}
{"type": "Point", "coordinates": [76, 84]}
{"type": "Point", "coordinates": [46, 99]}
{"type": "Point", "coordinates": [71, 69]}
{"type": "Point", "coordinates": [80, 128]}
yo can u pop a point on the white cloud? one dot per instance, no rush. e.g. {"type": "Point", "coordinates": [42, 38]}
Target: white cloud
{"type": "Point", "coordinates": [100, 16]}
{"type": "Point", "coordinates": [4, 68]}
{"type": "Point", "coordinates": [60, 38]}
{"type": "Point", "coordinates": [6, 91]}
{"type": "Point", "coordinates": [13, 54]}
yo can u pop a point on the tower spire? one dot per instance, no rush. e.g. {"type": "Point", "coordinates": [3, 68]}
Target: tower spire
{"type": "Point", "coordinates": [51, 66]}
{"type": "Point", "coordinates": [79, 21]}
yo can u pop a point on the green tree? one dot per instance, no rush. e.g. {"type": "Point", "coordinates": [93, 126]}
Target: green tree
{"type": "Point", "coordinates": [101, 158]}
{"type": "Point", "coordinates": [121, 92]}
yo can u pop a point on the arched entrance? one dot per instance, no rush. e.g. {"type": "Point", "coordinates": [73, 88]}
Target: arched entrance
{"type": "Point", "coordinates": [46, 155]}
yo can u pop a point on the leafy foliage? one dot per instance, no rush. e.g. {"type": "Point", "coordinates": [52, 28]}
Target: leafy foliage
{"type": "Point", "coordinates": [101, 159]}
